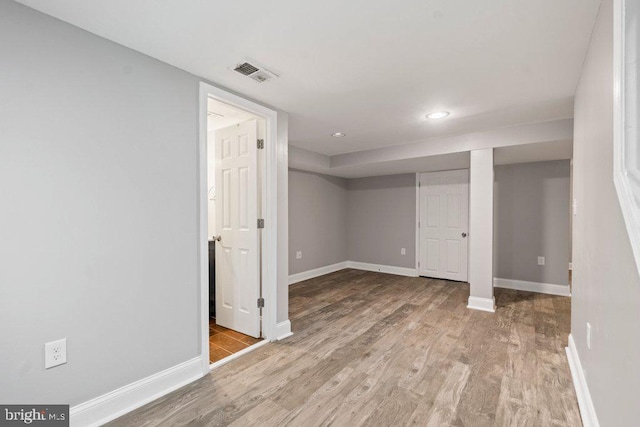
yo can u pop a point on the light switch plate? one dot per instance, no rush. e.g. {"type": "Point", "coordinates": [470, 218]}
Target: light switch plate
{"type": "Point", "coordinates": [403, 251]}
{"type": "Point", "coordinates": [540, 260]}
{"type": "Point", "coordinates": [299, 255]}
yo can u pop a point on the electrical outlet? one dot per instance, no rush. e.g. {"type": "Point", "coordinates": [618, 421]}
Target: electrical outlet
{"type": "Point", "coordinates": [55, 353]}
{"type": "Point", "coordinates": [403, 251]}
{"type": "Point", "coordinates": [299, 255]}
{"type": "Point", "coordinates": [540, 260]}
{"type": "Point", "coordinates": [589, 335]}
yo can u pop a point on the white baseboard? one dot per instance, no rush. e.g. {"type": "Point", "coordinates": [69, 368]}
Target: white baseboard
{"type": "Point", "coordinates": [542, 288]}
{"type": "Point", "coordinates": [400, 271]}
{"type": "Point", "coordinates": [482, 304]}
{"type": "Point", "coordinates": [587, 410]}
{"type": "Point", "coordinates": [118, 402]}
{"type": "Point", "coordinates": [316, 272]}
{"type": "Point", "coordinates": [283, 330]}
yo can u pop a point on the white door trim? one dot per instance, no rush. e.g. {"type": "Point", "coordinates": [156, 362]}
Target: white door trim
{"type": "Point", "coordinates": [269, 248]}
{"type": "Point", "coordinates": [418, 223]}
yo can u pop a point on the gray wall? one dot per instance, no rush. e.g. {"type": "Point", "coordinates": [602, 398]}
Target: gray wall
{"type": "Point", "coordinates": [606, 285]}
{"type": "Point", "coordinates": [317, 220]}
{"type": "Point", "coordinates": [531, 219]}
{"type": "Point", "coordinates": [99, 218]}
{"type": "Point", "coordinates": [382, 220]}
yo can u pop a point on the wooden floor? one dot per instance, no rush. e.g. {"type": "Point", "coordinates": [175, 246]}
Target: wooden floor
{"type": "Point", "coordinates": [223, 342]}
{"type": "Point", "coordinates": [377, 349]}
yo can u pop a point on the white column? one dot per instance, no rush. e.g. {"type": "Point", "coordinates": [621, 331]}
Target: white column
{"type": "Point", "coordinates": [481, 230]}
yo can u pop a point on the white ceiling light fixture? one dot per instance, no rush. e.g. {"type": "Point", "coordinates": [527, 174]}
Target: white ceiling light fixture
{"type": "Point", "coordinates": [338, 134]}
{"type": "Point", "coordinates": [438, 115]}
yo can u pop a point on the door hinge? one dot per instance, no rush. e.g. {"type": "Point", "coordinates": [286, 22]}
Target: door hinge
{"type": "Point", "coordinates": [260, 302]}
{"type": "Point", "coordinates": [260, 144]}
{"type": "Point", "coordinates": [260, 223]}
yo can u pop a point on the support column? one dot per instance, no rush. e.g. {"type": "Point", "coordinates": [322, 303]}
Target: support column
{"type": "Point", "coordinates": [481, 230]}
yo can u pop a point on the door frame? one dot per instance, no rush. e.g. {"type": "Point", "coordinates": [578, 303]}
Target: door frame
{"type": "Point", "coordinates": [269, 191]}
{"type": "Point", "coordinates": [418, 221]}
{"type": "Point", "coordinates": [417, 227]}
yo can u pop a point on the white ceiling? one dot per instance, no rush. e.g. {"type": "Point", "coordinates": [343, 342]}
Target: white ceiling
{"type": "Point", "coordinates": [224, 115]}
{"type": "Point", "coordinates": [370, 68]}
{"type": "Point", "coordinates": [518, 144]}
{"type": "Point", "coordinates": [526, 153]}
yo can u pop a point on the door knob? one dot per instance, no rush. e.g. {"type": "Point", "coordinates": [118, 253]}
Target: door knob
{"type": "Point", "coordinates": [464, 234]}
{"type": "Point", "coordinates": [216, 238]}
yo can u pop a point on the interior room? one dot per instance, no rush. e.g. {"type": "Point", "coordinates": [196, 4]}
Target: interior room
{"type": "Point", "coordinates": [319, 213]}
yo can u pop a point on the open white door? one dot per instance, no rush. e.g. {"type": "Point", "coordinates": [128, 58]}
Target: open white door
{"type": "Point", "coordinates": [444, 222]}
{"type": "Point", "coordinates": [237, 248]}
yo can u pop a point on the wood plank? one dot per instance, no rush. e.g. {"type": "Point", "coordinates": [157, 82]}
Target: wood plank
{"type": "Point", "coordinates": [377, 349]}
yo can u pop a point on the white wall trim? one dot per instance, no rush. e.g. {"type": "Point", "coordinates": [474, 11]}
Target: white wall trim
{"type": "Point", "coordinates": [587, 410]}
{"type": "Point", "coordinates": [316, 272]}
{"type": "Point", "coordinates": [482, 304]}
{"type": "Point", "coordinates": [118, 402]}
{"type": "Point", "coordinates": [283, 330]}
{"type": "Point", "coordinates": [400, 271]}
{"type": "Point", "coordinates": [321, 271]}
{"type": "Point", "coordinates": [541, 288]}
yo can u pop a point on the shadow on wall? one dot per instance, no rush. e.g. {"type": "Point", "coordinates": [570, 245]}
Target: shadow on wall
{"type": "Point", "coordinates": [531, 220]}
{"type": "Point", "coordinates": [317, 220]}
{"type": "Point", "coordinates": [389, 182]}
{"type": "Point", "coordinates": [382, 220]}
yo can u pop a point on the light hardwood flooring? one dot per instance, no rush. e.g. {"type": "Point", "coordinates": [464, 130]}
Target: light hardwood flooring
{"type": "Point", "coordinates": [377, 349]}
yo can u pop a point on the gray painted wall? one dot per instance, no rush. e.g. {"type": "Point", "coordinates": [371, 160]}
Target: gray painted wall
{"type": "Point", "coordinates": [382, 220]}
{"type": "Point", "coordinates": [99, 218]}
{"type": "Point", "coordinates": [531, 219]}
{"type": "Point", "coordinates": [317, 220]}
{"type": "Point", "coordinates": [606, 284]}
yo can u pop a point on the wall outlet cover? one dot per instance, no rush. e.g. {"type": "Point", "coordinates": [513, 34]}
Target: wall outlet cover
{"type": "Point", "coordinates": [299, 255]}
{"type": "Point", "coordinates": [403, 251]}
{"type": "Point", "coordinates": [55, 353]}
{"type": "Point", "coordinates": [540, 260]}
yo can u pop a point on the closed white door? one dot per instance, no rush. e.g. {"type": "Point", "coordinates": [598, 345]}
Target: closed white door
{"type": "Point", "coordinates": [444, 224]}
{"type": "Point", "coordinates": [237, 250]}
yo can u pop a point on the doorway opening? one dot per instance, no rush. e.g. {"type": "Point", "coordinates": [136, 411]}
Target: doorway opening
{"type": "Point", "coordinates": [238, 290]}
{"type": "Point", "coordinates": [234, 137]}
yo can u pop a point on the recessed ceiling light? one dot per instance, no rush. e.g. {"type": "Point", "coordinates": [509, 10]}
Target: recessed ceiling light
{"type": "Point", "coordinates": [338, 134]}
{"type": "Point", "coordinates": [438, 115]}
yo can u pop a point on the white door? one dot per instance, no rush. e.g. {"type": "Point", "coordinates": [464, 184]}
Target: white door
{"type": "Point", "coordinates": [444, 222]}
{"type": "Point", "coordinates": [237, 250]}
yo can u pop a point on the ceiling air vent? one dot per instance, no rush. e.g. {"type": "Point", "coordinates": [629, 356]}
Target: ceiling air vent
{"type": "Point", "coordinates": [254, 71]}
{"type": "Point", "coordinates": [246, 69]}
